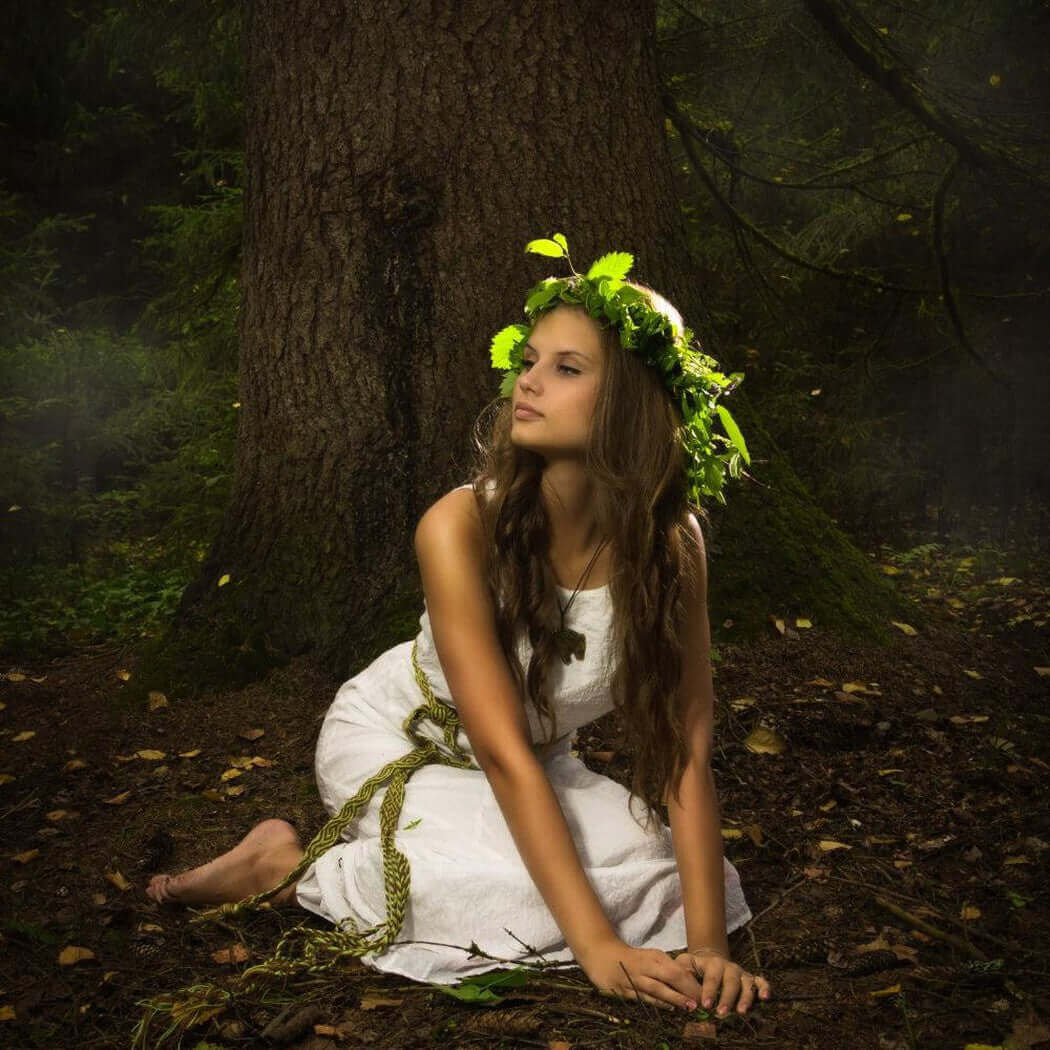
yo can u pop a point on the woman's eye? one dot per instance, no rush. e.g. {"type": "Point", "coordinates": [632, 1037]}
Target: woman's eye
{"type": "Point", "coordinates": [564, 369]}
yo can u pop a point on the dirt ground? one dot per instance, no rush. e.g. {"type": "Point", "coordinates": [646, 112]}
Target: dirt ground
{"type": "Point", "coordinates": [888, 820]}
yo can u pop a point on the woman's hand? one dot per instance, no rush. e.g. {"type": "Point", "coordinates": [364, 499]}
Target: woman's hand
{"type": "Point", "coordinates": [714, 969]}
{"type": "Point", "coordinates": [648, 974]}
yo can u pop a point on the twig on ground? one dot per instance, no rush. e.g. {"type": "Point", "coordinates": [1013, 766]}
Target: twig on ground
{"type": "Point", "coordinates": [933, 931]}
{"type": "Point", "coordinates": [777, 902]}
{"type": "Point", "coordinates": [991, 938]}
{"type": "Point", "coordinates": [638, 994]}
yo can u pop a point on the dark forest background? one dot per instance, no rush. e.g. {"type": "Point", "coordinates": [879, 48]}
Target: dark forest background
{"type": "Point", "coordinates": [868, 208]}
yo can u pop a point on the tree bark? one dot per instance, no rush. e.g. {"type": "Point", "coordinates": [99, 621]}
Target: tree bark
{"type": "Point", "coordinates": [399, 158]}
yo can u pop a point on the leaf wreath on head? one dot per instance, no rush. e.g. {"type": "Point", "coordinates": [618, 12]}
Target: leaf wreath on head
{"type": "Point", "coordinates": [690, 376]}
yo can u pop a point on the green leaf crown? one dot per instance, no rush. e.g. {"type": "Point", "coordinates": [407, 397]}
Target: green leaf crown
{"type": "Point", "coordinates": [690, 376]}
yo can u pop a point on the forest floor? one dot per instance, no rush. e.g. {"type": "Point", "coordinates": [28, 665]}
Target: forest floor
{"type": "Point", "coordinates": [888, 820]}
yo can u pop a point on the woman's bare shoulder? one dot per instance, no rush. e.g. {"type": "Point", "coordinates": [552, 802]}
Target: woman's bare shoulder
{"type": "Point", "coordinates": [452, 524]}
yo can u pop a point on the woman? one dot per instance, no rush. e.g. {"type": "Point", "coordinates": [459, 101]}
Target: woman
{"type": "Point", "coordinates": [578, 519]}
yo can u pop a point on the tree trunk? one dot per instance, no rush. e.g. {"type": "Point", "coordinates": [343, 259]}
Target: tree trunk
{"type": "Point", "coordinates": [399, 158]}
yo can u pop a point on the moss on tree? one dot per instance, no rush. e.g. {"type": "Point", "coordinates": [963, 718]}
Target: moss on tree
{"type": "Point", "coordinates": [772, 551]}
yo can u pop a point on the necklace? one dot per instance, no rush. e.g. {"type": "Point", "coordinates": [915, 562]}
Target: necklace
{"type": "Point", "coordinates": [568, 642]}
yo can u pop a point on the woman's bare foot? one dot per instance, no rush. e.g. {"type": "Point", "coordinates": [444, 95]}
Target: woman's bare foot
{"type": "Point", "coordinates": [260, 860]}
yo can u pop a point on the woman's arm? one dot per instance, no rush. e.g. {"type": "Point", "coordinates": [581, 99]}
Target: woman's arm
{"type": "Point", "coordinates": [450, 549]}
{"type": "Point", "coordinates": [695, 824]}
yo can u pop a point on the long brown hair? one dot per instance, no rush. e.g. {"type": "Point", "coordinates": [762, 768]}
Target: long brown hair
{"type": "Point", "coordinates": [636, 461]}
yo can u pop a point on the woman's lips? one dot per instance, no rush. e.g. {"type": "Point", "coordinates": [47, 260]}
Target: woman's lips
{"type": "Point", "coordinates": [524, 412]}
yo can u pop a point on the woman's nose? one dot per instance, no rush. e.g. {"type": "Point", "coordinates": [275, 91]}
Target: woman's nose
{"type": "Point", "coordinates": [528, 380]}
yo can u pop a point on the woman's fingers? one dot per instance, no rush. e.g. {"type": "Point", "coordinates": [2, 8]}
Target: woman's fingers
{"type": "Point", "coordinates": [659, 991]}
{"type": "Point", "coordinates": [746, 997]}
{"type": "Point", "coordinates": [662, 984]}
{"type": "Point", "coordinates": [666, 983]}
{"type": "Point", "coordinates": [736, 985]}
{"type": "Point", "coordinates": [713, 969]}
{"type": "Point", "coordinates": [731, 987]}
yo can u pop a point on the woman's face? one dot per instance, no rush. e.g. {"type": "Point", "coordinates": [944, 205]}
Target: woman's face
{"type": "Point", "coordinates": [564, 360]}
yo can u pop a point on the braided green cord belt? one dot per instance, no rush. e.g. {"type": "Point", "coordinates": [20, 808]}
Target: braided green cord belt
{"type": "Point", "coordinates": [308, 950]}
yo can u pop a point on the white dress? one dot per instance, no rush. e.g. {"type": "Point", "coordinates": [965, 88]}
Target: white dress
{"type": "Point", "coordinates": [468, 881]}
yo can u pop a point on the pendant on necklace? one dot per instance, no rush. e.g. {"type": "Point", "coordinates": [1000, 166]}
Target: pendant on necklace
{"type": "Point", "coordinates": [570, 643]}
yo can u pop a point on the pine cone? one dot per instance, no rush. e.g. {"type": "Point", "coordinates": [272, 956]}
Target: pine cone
{"type": "Point", "coordinates": [870, 962]}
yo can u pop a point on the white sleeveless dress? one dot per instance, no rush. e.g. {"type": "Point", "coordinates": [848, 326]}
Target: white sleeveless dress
{"type": "Point", "coordinates": [468, 881]}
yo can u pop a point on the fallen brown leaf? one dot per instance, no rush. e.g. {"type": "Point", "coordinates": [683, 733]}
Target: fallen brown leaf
{"type": "Point", "coordinates": [881, 993]}
{"type": "Point", "coordinates": [855, 687]}
{"type": "Point", "coordinates": [371, 1002]}
{"type": "Point", "coordinates": [236, 953]}
{"type": "Point", "coordinates": [697, 1030]}
{"type": "Point", "coordinates": [764, 741]}
{"type": "Point", "coordinates": [74, 954]}
{"type": "Point", "coordinates": [118, 800]}
{"type": "Point", "coordinates": [118, 880]}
